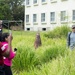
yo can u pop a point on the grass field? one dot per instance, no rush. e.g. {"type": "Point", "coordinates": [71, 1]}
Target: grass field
{"type": "Point", "coordinates": [52, 58]}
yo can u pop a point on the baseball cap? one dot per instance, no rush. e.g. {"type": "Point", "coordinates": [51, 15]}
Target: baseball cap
{"type": "Point", "coordinates": [73, 26]}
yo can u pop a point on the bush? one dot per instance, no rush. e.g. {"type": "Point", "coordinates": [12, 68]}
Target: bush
{"type": "Point", "coordinates": [58, 32]}
{"type": "Point", "coordinates": [52, 52]}
{"type": "Point", "coordinates": [25, 59]}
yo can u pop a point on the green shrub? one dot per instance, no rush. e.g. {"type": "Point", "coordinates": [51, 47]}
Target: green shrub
{"type": "Point", "coordinates": [25, 59]}
{"type": "Point", "coordinates": [58, 32]}
{"type": "Point", "coordinates": [29, 61]}
{"type": "Point", "coordinates": [60, 66]}
{"type": "Point", "coordinates": [52, 52]}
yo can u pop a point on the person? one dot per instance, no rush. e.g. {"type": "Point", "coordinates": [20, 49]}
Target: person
{"type": "Point", "coordinates": [71, 38]}
{"type": "Point", "coordinates": [1, 26]}
{"type": "Point", "coordinates": [37, 42]}
{"type": "Point", "coordinates": [4, 52]}
{"type": "Point", "coordinates": [7, 60]}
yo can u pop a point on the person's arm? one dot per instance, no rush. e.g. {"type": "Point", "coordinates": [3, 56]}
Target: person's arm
{"type": "Point", "coordinates": [12, 55]}
{"type": "Point", "coordinates": [7, 51]}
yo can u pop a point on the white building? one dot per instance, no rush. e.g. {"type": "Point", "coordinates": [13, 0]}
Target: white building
{"type": "Point", "coordinates": [47, 14]}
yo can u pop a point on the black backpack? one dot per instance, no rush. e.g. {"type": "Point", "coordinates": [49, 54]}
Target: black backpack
{"type": "Point", "coordinates": [69, 38]}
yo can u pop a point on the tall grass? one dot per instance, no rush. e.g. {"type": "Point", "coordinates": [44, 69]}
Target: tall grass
{"type": "Point", "coordinates": [25, 59]}
{"type": "Point", "coordinates": [52, 58]}
{"type": "Point", "coordinates": [29, 57]}
{"type": "Point", "coordinates": [60, 66]}
{"type": "Point", "coordinates": [58, 32]}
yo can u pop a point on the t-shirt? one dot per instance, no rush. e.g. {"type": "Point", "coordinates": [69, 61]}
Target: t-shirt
{"type": "Point", "coordinates": [2, 50]}
{"type": "Point", "coordinates": [71, 40]}
{"type": "Point", "coordinates": [8, 60]}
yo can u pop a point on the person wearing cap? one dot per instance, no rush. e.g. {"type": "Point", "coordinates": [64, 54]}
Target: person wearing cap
{"type": "Point", "coordinates": [71, 38]}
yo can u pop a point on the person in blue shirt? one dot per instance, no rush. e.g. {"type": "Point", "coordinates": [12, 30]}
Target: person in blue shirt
{"type": "Point", "coordinates": [71, 38]}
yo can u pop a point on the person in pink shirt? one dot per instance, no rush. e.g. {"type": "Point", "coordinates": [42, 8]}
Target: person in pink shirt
{"type": "Point", "coordinates": [7, 60]}
{"type": "Point", "coordinates": [4, 52]}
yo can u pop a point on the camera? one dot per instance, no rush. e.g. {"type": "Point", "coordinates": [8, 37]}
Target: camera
{"type": "Point", "coordinates": [15, 49]}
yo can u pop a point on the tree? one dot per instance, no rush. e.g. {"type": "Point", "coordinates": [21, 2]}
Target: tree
{"type": "Point", "coordinates": [5, 12]}
{"type": "Point", "coordinates": [12, 9]}
{"type": "Point", "coordinates": [17, 9]}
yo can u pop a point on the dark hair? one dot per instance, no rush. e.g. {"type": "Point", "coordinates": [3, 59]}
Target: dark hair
{"type": "Point", "coordinates": [4, 35]}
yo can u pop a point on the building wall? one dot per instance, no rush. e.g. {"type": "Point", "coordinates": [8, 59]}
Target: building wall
{"type": "Point", "coordinates": [57, 6]}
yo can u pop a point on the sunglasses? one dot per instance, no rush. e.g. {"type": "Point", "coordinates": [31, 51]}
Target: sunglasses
{"type": "Point", "coordinates": [73, 28]}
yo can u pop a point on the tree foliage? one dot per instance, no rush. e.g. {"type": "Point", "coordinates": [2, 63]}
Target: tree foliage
{"type": "Point", "coordinates": [11, 10]}
{"type": "Point", "coordinates": [5, 12]}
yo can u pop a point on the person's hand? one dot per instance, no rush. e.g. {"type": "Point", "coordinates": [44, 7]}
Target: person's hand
{"type": "Point", "coordinates": [10, 38]}
{"type": "Point", "coordinates": [15, 53]}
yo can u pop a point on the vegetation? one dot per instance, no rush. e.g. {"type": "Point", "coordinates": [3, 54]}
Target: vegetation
{"type": "Point", "coordinates": [58, 32]}
{"type": "Point", "coordinates": [11, 10]}
{"type": "Point", "coordinates": [52, 58]}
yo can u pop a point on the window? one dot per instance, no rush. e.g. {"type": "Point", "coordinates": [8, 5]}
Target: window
{"type": "Point", "coordinates": [43, 0]}
{"type": "Point", "coordinates": [34, 1]}
{"type": "Point", "coordinates": [42, 17]}
{"type": "Point", "coordinates": [63, 15]}
{"type": "Point", "coordinates": [44, 29]}
{"type": "Point", "coordinates": [52, 16]}
{"type": "Point", "coordinates": [28, 29]}
{"type": "Point", "coordinates": [53, 1]}
{"type": "Point", "coordinates": [27, 2]}
{"type": "Point", "coordinates": [73, 15]}
{"type": "Point", "coordinates": [27, 18]}
{"type": "Point", "coordinates": [34, 17]}
{"type": "Point", "coordinates": [63, 0]}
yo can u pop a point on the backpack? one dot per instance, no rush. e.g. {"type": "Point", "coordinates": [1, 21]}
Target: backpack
{"type": "Point", "coordinates": [69, 38]}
